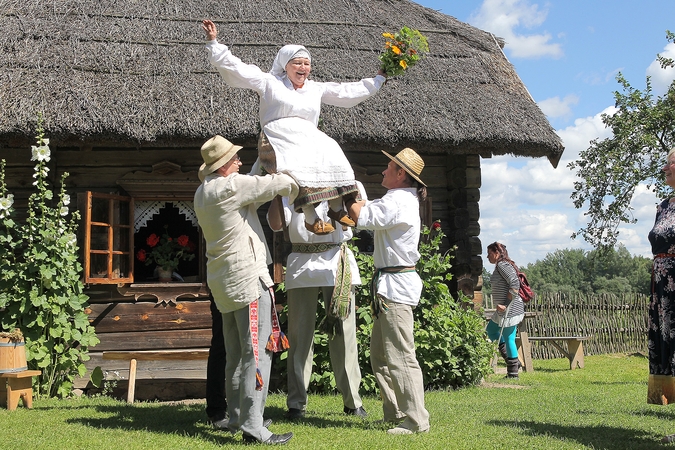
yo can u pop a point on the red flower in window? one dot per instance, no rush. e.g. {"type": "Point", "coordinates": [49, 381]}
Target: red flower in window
{"type": "Point", "coordinates": [166, 251]}
{"type": "Point", "coordinates": [152, 240]}
{"type": "Point", "coordinates": [141, 255]}
{"type": "Point", "coordinates": [436, 225]}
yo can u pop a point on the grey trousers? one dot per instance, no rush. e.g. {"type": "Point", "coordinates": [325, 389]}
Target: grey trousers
{"type": "Point", "coordinates": [344, 357]}
{"type": "Point", "coordinates": [245, 405]}
{"type": "Point", "coordinates": [394, 363]}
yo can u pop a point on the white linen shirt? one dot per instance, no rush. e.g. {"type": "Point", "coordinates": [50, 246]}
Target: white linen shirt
{"type": "Point", "coordinates": [236, 251]}
{"type": "Point", "coordinates": [315, 269]}
{"type": "Point", "coordinates": [396, 224]}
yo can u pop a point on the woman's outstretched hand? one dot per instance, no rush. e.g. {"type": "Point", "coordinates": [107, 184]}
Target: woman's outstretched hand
{"type": "Point", "coordinates": [210, 29]}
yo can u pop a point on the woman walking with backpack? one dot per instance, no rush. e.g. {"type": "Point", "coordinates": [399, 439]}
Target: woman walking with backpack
{"type": "Point", "coordinates": [510, 308]}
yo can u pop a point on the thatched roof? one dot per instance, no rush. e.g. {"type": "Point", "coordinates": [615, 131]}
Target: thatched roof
{"type": "Point", "coordinates": [137, 70]}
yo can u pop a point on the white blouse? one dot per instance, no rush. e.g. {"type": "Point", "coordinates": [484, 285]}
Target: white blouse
{"type": "Point", "coordinates": [289, 117]}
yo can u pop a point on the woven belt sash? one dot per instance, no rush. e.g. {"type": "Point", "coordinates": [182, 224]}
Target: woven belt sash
{"type": "Point", "coordinates": [377, 304]}
{"type": "Point", "coordinates": [313, 248]}
{"type": "Point", "coordinates": [340, 302]}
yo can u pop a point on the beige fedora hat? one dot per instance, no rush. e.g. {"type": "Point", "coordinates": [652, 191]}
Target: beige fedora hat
{"type": "Point", "coordinates": [216, 152]}
{"type": "Point", "coordinates": [410, 161]}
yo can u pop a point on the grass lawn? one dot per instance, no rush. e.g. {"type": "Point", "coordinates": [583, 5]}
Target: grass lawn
{"type": "Point", "coordinates": [602, 406]}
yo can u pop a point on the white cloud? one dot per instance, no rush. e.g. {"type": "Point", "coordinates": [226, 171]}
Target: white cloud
{"type": "Point", "coordinates": [579, 136]}
{"type": "Point", "coordinates": [556, 107]}
{"type": "Point", "coordinates": [504, 17]}
{"type": "Point", "coordinates": [527, 206]}
{"type": "Point", "coordinates": [599, 78]}
{"type": "Point", "coordinates": [662, 78]}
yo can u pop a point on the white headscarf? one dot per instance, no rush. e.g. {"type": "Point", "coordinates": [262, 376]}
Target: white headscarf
{"type": "Point", "coordinates": [285, 54]}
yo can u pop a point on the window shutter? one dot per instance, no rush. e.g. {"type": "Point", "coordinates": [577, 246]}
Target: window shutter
{"type": "Point", "coordinates": [108, 239]}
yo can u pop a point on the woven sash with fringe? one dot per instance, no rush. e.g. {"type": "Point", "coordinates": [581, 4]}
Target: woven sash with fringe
{"type": "Point", "coordinates": [277, 341]}
{"type": "Point", "coordinates": [340, 302]}
{"type": "Point", "coordinates": [377, 304]}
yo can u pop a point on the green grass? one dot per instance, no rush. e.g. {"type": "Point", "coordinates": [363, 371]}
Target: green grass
{"type": "Point", "coordinates": [602, 406]}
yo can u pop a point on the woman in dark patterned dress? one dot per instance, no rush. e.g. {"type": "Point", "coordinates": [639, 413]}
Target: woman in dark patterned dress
{"type": "Point", "coordinates": [661, 343]}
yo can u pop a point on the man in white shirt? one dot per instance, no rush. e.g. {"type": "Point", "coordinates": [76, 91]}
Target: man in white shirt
{"type": "Point", "coordinates": [239, 280]}
{"type": "Point", "coordinates": [314, 266]}
{"type": "Point", "coordinates": [396, 290]}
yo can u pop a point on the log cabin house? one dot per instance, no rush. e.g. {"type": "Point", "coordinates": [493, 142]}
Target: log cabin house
{"type": "Point", "coordinates": [128, 97]}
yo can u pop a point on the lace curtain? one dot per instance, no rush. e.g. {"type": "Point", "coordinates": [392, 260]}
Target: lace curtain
{"type": "Point", "coordinates": [146, 210]}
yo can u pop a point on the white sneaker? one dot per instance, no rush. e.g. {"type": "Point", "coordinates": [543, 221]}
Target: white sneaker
{"type": "Point", "coordinates": [399, 430]}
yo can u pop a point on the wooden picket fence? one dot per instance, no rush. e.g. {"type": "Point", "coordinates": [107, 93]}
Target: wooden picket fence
{"type": "Point", "coordinates": [617, 323]}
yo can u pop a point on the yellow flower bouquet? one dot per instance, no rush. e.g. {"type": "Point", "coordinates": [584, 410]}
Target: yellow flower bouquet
{"type": "Point", "coordinates": [402, 50]}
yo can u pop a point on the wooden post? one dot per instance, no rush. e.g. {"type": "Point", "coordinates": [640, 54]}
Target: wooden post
{"type": "Point", "coordinates": [575, 351]}
{"type": "Point", "coordinates": [525, 352]}
{"type": "Point", "coordinates": [131, 390]}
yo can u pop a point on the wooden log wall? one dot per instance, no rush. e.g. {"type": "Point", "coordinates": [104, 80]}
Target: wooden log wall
{"type": "Point", "coordinates": [124, 324]}
{"type": "Point", "coordinates": [463, 180]}
{"type": "Point", "coordinates": [617, 324]}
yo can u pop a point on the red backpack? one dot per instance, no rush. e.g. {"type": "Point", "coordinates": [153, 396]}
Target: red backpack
{"type": "Point", "coordinates": [525, 291]}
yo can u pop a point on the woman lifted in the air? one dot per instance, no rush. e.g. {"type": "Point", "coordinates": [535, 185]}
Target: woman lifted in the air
{"type": "Point", "coordinates": [290, 141]}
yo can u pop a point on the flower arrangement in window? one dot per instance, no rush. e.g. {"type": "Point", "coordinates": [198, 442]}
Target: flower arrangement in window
{"type": "Point", "coordinates": [165, 251]}
{"type": "Point", "coordinates": [402, 50]}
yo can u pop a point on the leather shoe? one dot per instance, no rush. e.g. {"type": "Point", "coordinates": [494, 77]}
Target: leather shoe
{"type": "Point", "coordinates": [360, 412]}
{"type": "Point", "coordinates": [275, 439]}
{"type": "Point", "coordinates": [295, 414]}
{"type": "Point", "coordinates": [220, 424]}
{"type": "Point", "coordinates": [319, 227]}
{"type": "Point", "coordinates": [341, 217]}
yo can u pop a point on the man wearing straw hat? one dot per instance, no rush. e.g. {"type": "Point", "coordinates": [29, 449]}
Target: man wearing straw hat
{"type": "Point", "coordinates": [239, 280]}
{"type": "Point", "coordinates": [396, 290]}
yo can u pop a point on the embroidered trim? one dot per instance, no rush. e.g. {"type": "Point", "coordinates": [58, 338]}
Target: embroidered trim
{"type": "Point", "coordinates": [313, 248]}
{"type": "Point", "coordinates": [253, 320]}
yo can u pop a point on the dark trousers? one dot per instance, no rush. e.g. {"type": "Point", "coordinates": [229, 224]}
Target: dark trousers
{"type": "Point", "coordinates": [216, 404]}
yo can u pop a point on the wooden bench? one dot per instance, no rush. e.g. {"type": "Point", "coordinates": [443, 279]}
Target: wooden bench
{"type": "Point", "coordinates": [152, 355]}
{"type": "Point", "coordinates": [15, 385]}
{"type": "Point", "coordinates": [574, 351]}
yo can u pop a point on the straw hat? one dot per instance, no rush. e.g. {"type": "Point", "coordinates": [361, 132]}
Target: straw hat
{"type": "Point", "coordinates": [410, 161]}
{"type": "Point", "coordinates": [216, 152]}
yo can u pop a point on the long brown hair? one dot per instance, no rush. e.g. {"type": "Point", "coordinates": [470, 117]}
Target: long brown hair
{"type": "Point", "coordinates": [503, 253]}
{"type": "Point", "coordinates": [421, 189]}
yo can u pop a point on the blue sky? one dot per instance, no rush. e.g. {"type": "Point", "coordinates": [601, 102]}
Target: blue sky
{"type": "Point", "coordinates": [567, 53]}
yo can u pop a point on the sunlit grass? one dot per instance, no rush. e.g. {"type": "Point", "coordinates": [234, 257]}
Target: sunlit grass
{"type": "Point", "coordinates": [602, 406]}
